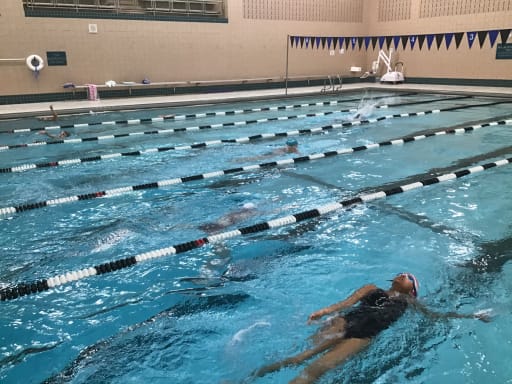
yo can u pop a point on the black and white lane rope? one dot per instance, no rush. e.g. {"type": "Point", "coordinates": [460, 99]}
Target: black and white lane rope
{"type": "Point", "coordinates": [241, 140]}
{"type": "Point", "coordinates": [160, 119]}
{"type": "Point", "coordinates": [272, 164]}
{"type": "Point", "coordinates": [27, 288]}
{"type": "Point", "coordinates": [232, 124]}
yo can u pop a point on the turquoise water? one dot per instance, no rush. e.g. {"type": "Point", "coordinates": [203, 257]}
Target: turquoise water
{"type": "Point", "coordinates": [215, 314]}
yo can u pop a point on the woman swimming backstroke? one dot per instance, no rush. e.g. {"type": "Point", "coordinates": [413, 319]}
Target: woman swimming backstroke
{"type": "Point", "coordinates": [347, 333]}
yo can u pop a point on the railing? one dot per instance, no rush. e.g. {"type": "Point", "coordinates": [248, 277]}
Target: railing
{"type": "Point", "coordinates": [211, 8]}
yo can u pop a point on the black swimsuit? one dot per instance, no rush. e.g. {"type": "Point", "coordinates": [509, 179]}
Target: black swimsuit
{"type": "Point", "coordinates": [376, 312]}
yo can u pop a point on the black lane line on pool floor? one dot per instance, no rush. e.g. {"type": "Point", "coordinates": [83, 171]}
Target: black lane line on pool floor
{"type": "Point", "coordinates": [216, 126]}
{"type": "Point", "coordinates": [208, 114]}
{"type": "Point", "coordinates": [27, 288]}
{"type": "Point", "coordinates": [272, 164]}
{"type": "Point", "coordinates": [241, 140]}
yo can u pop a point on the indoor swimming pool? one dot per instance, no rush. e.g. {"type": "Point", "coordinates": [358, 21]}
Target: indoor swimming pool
{"type": "Point", "coordinates": [184, 245]}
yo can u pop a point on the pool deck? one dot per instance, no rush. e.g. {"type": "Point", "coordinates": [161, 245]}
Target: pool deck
{"type": "Point", "coordinates": [80, 106]}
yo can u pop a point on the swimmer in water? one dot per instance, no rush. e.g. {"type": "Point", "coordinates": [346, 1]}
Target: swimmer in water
{"type": "Point", "coordinates": [345, 334]}
{"type": "Point", "coordinates": [290, 147]}
{"type": "Point", "coordinates": [53, 117]}
{"type": "Point", "coordinates": [61, 135]}
{"type": "Point", "coordinates": [248, 210]}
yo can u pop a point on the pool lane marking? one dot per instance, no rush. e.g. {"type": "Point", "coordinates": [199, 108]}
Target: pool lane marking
{"type": "Point", "coordinates": [186, 179]}
{"type": "Point", "coordinates": [208, 126]}
{"type": "Point", "coordinates": [27, 288]}
{"type": "Point", "coordinates": [240, 140]}
{"type": "Point", "coordinates": [214, 114]}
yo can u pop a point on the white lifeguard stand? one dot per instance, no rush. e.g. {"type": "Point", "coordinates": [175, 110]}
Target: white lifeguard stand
{"type": "Point", "coordinates": [391, 76]}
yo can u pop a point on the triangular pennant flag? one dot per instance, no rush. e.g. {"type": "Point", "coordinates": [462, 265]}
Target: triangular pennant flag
{"type": "Point", "coordinates": [367, 40]}
{"type": "Point", "coordinates": [381, 41]}
{"type": "Point", "coordinates": [389, 39]}
{"type": "Point", "coordinates": [302, 41]}
{"type": "Point", "coordinates": [347, 42]}
{"type": "Point", "coordinates": [439, 39]}
{"type": "Point", "coordinates": [430, 40]}
{"type": "Point", "coordinates": [481, 37]}
{"type": "Point", "coordinates": [448, 39]}
{"type": "Point", "coordinates": [329, 42]}
{"type": "Point", "coordinates": [471, 38]}
{"type": "Point", "coordinates": [421, 39]}
{"type": "Point", "coordinates": [412, 41]}
{"type": "Point", "coordinates": [313, 40]}
{"type": "Point", "coordinates": [353, 42]}
{"type": "Point", "coordinates": [318, 39]}
{"type": "Point", "coordinates": [340, 40]}
{"type": "Point", "coordinates": [493, 35]}
{"type": "Point", "coordinates": [360, 42]}
{"type": "Point", "coordinates": [458, 39]}
{"type": "Point", "coordinates": [396, 41]}
{"type": "Point", "coordinates": [404, 41]}
{"type": "Point", "coordinates": [374, 41]}
{"type": "Point", "coordinates": [504, 34]}
{"type": "Point", "coordinates": [306, 40]}
{"type": "Point", "coordinates": [324, 39]}
{"type": "Point", "coordinates": [335, 42]}
{"type": "Point", "coordinates": [292, 40]}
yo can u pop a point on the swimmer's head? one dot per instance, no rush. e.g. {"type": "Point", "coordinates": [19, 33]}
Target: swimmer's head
{"type": "Point", "coordinates": [249, 206]}
{"type": "Point", "coordinates": [408, 283]}
{"type": "Point", "coordinates": [292, 143]}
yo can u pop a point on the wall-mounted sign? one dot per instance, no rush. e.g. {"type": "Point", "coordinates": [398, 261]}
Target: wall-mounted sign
{"type": "Point", "coordinates": [504, 51]}
{"type": "Point", "coordinates": [56, 58]}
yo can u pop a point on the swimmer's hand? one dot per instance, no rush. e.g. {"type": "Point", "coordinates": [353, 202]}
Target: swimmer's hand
{"type": "Point", "coordinates": [484, 315]}
{"type": "Point", "coordinates": [316, 315]}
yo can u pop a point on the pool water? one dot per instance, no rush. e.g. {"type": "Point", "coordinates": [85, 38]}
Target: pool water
{"type": "Point", "coordinates": [216, 313]}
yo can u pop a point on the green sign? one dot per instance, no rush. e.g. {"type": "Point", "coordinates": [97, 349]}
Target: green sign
{"type": "Point", "coordinates": [504, 51]}
{"type": "Point", "coordinates": [56, 58]}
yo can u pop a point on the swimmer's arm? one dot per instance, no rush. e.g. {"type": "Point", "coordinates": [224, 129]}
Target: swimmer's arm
{"type": "Point", "coordinates": [482, 316]}
{"type": "Point", "coordinates": [348, 302]}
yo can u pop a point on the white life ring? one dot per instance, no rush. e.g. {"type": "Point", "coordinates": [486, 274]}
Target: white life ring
{"type": "Point", "coordinates": [35, 63]}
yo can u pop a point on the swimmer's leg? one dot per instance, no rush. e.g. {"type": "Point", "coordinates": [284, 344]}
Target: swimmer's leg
{"type": "Point", "coordinates": [297, 359]}
{"type": "Point", "coordinates": [330, 360]}
{"type": "Point", "coordinates": [334, 328]}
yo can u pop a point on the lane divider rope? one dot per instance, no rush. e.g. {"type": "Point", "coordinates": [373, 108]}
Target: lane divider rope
{"type": "Point", "coordinates": [212, 126]}
{"type": "Point", "coordinates": [27, 288]}
{"type": "Point", "coordinates": [205, 114]}
{"type": "Point", "coordinates": [179, 180]}
{"type": "Point", "coordinates": [241, 140]}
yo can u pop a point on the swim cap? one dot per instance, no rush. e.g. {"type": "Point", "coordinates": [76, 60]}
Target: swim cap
{"type": "Point", "coordinates": [292, 142]}
{"type": "Point", "coordinates": [414, 281]}
{"type": "Point", "coordinates": [249, 206]}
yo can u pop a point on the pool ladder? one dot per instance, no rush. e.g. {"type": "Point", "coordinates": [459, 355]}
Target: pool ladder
{"type": "Point", "coordinates": [330, 84]}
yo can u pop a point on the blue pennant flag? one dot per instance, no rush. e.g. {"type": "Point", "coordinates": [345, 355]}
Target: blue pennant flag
{"type": "Point", "coordinates": [367, 40]}
{"type": "Point", "coordinates": [412, 41]}
{"type": "Point", "coordinates": [318, 39]}
{"type": "Point", "coordinates": [396, 41]}
{"type": "Point", "coordinates": [329, 42]}
{"type": "Point", "coordinates": [471, 38]}
{"type": "Point", "coordinates": [353, 41]}
{"type": "Point", "coordinates": [340, 40]}
{"type": "Point", "coordinates": [297, 40]}
{"type": "Point", "coordinates": [430, 40]}
{"type": "Point", "coordinates": [448, 39]}
{"type": "Point", "coordinates": [382, 39]}
{"type": "Point", "coordinates": [493, 35]}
